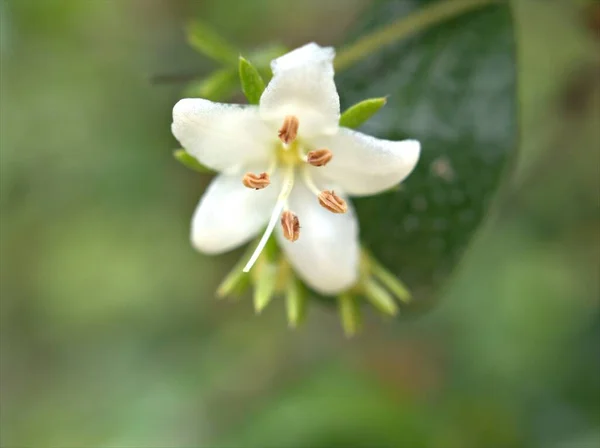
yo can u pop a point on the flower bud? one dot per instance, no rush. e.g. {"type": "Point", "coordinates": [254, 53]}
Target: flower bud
{"type": "Point", "coordinates": [290, 225]}
{"type": "Point", "coordinates": [256, 181]}
{"type": "Point", "coordinates": [332, 202]}
{"type": "Point", "coordinates": [319, 157]}
{"type": "Point", "coordinates": [289, 129]}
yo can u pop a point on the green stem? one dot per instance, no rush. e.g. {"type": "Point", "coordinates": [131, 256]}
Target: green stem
{"type": "Point", "coordinates": [403, 27]}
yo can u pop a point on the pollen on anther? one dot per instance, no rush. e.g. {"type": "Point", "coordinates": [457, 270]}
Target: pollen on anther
{"type": "Point", "coordinates": [290, 225]}
{"type": "Point", "coordinates": [332, 202]}
{"type": "Point", "coordinates": [256, 181]}
{"type": "Point", "coordinates": [289, 129]}
{"type": "Point", "coordinates": [319, 157]}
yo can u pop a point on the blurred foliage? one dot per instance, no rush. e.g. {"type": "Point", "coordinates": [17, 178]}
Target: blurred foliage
{"type": "Point", "coordinates": [453, 88]}
{"type": "Point", "coordinates": [110, 334]}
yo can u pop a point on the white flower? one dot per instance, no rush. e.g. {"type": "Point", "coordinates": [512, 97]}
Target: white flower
{"type": "Point", "coordinates": [268, 147]}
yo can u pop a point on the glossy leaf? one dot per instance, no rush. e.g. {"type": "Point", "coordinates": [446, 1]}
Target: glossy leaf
{"type": "Point", "coordinates": [451, 87]}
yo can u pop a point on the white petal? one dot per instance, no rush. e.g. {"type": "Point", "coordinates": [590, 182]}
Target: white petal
{"type": "Point", "coordinates": [363, 165]}
{"type": "Point", "coordinates": [303, 86]}
{"type": "Point", "coordinates": [326, 256]}
{"type": "Point", "coordinates": [229, 214]}
{"type": "Point", "coordinates": [221, 135]}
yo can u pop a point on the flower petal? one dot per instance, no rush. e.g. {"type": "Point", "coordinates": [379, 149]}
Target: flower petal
{"type": "Point", "coordinates": [363, 165]}
{"type": "Point", "coordinates": [230, 214]}
{"type": "Point", "coordinates": [220, 135]}
{"type": "Point", "coordinates": [326, 256]}
{"type": "Point", "coordinates": [303, 86]}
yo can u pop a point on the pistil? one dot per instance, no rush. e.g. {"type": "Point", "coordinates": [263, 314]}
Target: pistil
{"type": "Point", "coordinates": [288, 184]}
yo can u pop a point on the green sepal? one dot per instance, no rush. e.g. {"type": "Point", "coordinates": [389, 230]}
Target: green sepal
{"type": "Point", "coordinates": [349, 314]}
{"type": "Point", "coordinates": [190, 162]}
{"type": "Point", "coordinates": [380, 298]}
{"type": "Point", "coordinates": [217, 86]}
{"type": "Point", "coordinates": [295, 300]}
{"type": "Point", "coordinates": [208, 42]}
{"type": "Point", "coordinates": [265, 284]}
{"type": "Point", "coordinates": [389, 280]}
{"type": "Point", "coordinates": [252, 83]}
{"type": "Point", "coordinates": [237, 281]}
{"type": "Point", "coordinates": [358, 114]}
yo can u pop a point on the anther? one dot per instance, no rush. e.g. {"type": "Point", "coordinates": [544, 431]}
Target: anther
{"type": "Point", "coordinates": [290, 225]}
{"type": "Point", "coordinates": [256, 181]}
{"type": "Point", "coordinates": [332, 202]}
{"type": "Point", "coordinates": [319, 157]}
{"type": "Point", "coordinates": [289, 129]}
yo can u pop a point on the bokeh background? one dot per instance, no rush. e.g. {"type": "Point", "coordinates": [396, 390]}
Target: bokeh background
{"type": "Point", "coordinates": [110, 332]}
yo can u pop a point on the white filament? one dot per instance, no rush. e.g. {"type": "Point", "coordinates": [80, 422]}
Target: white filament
{"type": "Point", "coordinates": [288, 183]}
{"type": "Point", "coordinates": [310, 183]}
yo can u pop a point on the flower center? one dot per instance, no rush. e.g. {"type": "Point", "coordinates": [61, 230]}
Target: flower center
{"type": "Point", "coordinates": [289, 155]}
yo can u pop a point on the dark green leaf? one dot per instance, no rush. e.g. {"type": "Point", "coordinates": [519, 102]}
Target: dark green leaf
{"type": "Point", "coordinates": [252, 83]}
{"type": "Point", "coordinates": [187, 160]}
{"type": "Point", "coordinates": [451, 87]}
{"type": "Point", "coordinates": [358, 114]}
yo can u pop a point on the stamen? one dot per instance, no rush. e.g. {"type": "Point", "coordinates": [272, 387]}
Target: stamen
{"type": "Point", "coordinates": [290, 225]}
{"type": "Point", "coordinates": [320, 157]}
{"type": "Point", "coordinates": [289, 129]}
{"type": "Point", "coordinates": [288, 183]}
{"type": "Point", "coordinates": [308, 181]}
{"type": "Point", "coordinates": [256, 181]}
{"type": "Point", "coordinates": [332, 202]}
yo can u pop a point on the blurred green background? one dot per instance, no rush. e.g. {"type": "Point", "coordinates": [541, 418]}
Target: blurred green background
{"type": "Point", "coordinates": [110, 332]}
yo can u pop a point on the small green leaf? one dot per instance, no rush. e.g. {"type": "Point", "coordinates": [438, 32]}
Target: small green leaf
{"type": "Point", "coordinates": [252, 83]}
{"type": "Point", "coordinates": [187, 160]}
{"type": "Point", "coordinates": [264, 285]}
{"type": "Point", "coordinates": [380, 298]}
{"type": "Point", "coordinates": [358, 114]}
{"type": "Point", "coordinates": [208, 42]}
{"type": "Point", "coordinates": [295, 299]}
{"type": "Point", "coordinates": [350, 314]}
{"type": "Point", "coordinates": [217, 86]}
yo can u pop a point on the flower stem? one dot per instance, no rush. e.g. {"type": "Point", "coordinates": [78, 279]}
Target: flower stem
{"type": "Point", "coordinates": [403, 27]}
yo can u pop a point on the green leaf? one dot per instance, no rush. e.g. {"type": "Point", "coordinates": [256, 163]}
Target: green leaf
{"type": "Point", "coordinates": [208, 42]}
{"type": "Point", "coordinates": [217, 86]}
{"type": "Point", "coordinates": [252, 83]}
{"type": "Point", "coordinates": [358, 114]}
{"type": "Point", "coordinates": [452, 87]}
{"type": "Point", "coordinates": [187, 160]}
